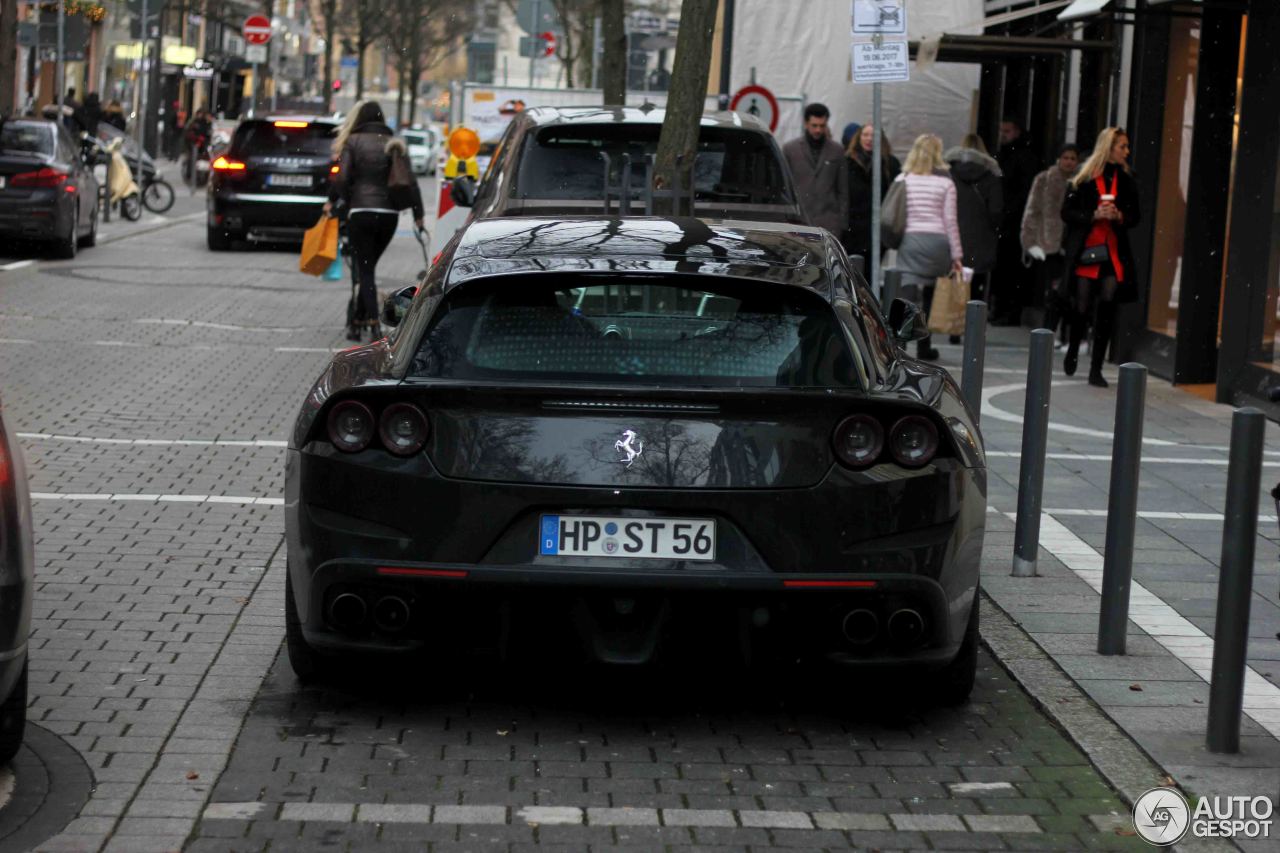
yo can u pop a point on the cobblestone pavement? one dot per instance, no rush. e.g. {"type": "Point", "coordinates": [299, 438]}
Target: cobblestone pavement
{"type": "Point", "coordinates": [152, 383]}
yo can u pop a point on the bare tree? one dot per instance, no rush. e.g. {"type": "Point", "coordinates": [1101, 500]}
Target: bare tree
{"type": "Point", "coordinates": [419, 34]}
{"type": "Point", "coordinates": [613, 64]}
{"type": "Point", "coordinates": [327, 12]}
{"type": "Point", "coordinates": [8, 54]}
{"type": "Point", "coordinates": [367, 23]}
{"type": "Point", "coordinates": [677, 146]}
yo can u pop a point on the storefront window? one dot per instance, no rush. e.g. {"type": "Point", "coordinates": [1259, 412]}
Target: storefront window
{"type": "Point", "coordinates": [1266, 348]}
{"type": "Point", "coordinates": [1175, 168]}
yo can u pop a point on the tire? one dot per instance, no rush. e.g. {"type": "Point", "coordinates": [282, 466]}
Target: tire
{"type": "Point", "coordinates": [91, 239]}
{"type": "Point", "coordinates": [955, 681]}
{"type": "Point", "coordinates": [158, 196]}
{"type": "Point", "coordinates": [307, 663]}
{"type": "Point", "coordinates": [65, 247]}
{"type": "Point", "coordinates": [219, 241]}
{"type": "Point", "coordinates": [13, 718]}
{"type": "Point", "coordinates": [131, 207]}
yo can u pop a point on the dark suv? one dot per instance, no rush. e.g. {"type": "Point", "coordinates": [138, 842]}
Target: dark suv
{"type": "Point", "coordinates": [566, 160]}
{"type": "Point", "coordinates": [271, 181]}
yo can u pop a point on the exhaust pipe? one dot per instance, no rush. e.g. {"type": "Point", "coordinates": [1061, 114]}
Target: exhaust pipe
{"type": "Point", "coordinates": [391, 614]}
{"type": "Point", "coordinates": [906, 627]}
{"type": "Point", "coordinates": [860, 626]}
{"type": "Point", "coordinates": [347, 611]}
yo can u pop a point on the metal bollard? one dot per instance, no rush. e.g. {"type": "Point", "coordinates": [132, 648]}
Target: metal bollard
{"type": "Point", "coordinates": [1235, 581]}
{"type": "Point", "coordinates": [1122, 510]}
{"type": "Point", "coordinates": [891, 289]}
{"type": "Point", "coordinates": [1035, 436]}
{"type": "Point", "coordinates": [859, 264]}
{"type": "Point", "coordinates": [975, 354]}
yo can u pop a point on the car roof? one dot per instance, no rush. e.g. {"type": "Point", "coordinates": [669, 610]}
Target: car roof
{"type": "Point", "coordinates": [779, 252]}
{"type": "Point", "coordinates": [647, 114]}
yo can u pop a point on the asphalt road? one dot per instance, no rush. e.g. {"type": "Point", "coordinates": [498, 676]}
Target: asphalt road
{"type": "Point", "coordinates": [153, 384]}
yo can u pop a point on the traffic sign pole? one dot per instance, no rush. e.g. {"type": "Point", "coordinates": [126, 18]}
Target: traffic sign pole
{"type": "Point", "coordinates": [533, 54]}
{"type": "Point", "coordinates": [876, 178]}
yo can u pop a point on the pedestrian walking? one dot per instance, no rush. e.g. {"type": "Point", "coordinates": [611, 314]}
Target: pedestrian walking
{"type": "Point", "coordinates": [90, 114]}
{"type": "Point", "coordinates": [1018, 167]}
{"type": "Point", "coordinates": [857, 239]}
{"type": "Point", "coordinates": [820, 171]}
{"type": "Point", "coordinates": [979, 206]}
{"type": "Point", "coordinates": [931, 244]}
{"type": "Point", "coordinates": [1100, 207]}
{"type": "Point", "coordinates": [1042, 229]}
{"type": "Point", "coordinates": [114, 114]}
{"type": "Point", "coordinates": [364, 149]}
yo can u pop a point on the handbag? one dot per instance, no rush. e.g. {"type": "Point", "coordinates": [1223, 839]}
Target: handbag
{"type": "Point", "coordinates": [319, 246]}
{"type": "Point", "coordinates": [334, 272]}
{"type": "Point", "coordinates": [893, 215]}
{"type": "Point", "coordinates": [1092, 255]}
{"type": "Point", "coordinates": [950, 298]}
{"type": "Point", "coordinates": [400, 181]}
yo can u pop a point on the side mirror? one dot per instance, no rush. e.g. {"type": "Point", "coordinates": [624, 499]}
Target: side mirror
{"type": "Point", "coordinates": [463, 191]}
{"type": "Point", "coordinates": [395, 305]}
{"type": "Point", "coordinates": [905, 321]}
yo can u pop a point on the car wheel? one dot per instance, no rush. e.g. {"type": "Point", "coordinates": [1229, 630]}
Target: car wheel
{"type": "Point", "coordinates": [66, 246]}
{"type": "Point", "coordinates": [13, 718]}
{"type": "Point", "coordinates": [219, 241]}
{"type": "Point", "coordinates": [955, 681]}
{"type": "Point", "coordinates": [91, 239]}
{"type": "Point", "coordinates": [307, 663]}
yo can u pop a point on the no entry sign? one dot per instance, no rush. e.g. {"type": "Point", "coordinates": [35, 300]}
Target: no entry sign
{"type": "Point", "coordinates": [759, 102]}
{"type": "Point", "coordinates": [256, 29]}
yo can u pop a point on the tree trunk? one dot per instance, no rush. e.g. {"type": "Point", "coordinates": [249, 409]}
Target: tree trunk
{"type": "Point", "coordinates": [613, 63]}
{"type": "Point", "coordinates": [400, 77]}
{"type": "Point", "coordinates": [8, 55]}
{"type": "Point", "coordinates": [360, 48]}
{"type": "Point", "coordinates": [415, 75]}
{"type": "Point", "coordinates": [692, 67]}
{"type": "Point", "coordinates": [567, 56]}
{"type": "Point", "coordinates": [330, 11]}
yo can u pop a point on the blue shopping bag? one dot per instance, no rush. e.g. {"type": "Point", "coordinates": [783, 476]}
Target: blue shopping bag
{"type": "Point", "coordinates": [334, 272]}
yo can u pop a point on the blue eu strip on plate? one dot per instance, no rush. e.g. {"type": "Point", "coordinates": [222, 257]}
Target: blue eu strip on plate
{"type": "Point", "coordinates": [549, 540]}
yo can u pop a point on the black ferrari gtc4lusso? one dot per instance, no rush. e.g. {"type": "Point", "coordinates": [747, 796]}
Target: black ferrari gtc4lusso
{"type": "Point", "coordinates": [644, 432]}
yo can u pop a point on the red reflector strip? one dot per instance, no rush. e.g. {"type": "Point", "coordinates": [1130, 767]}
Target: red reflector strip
{"type": "Point", "coordinates": [845, 584]}
{"type": "Point", "coordinates": [421, 573]}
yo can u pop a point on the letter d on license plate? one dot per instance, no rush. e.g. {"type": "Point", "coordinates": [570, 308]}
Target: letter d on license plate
{"type": "Point", "coordinates": [607, 537]}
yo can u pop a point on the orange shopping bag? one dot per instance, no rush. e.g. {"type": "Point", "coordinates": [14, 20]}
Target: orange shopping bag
{"type": "Point", "coordinates": [319, 246]}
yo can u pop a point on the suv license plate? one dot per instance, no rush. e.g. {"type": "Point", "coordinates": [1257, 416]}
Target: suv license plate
{"type": "Point", "coordinates": [609, 536]}
{"type": "Point", "coordinates": [288, 180]}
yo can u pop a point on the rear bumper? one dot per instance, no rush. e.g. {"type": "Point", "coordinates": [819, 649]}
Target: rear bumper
{"type": "Point", "coordinates": [42, 216]}
{"type": "Point", "coordinates": [281, 214]}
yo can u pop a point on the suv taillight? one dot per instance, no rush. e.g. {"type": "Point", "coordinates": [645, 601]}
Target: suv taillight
{"type": "Point", "coordinates": [402, 428]}
{"type": "Point", "coordinates": [41, 178]}
{"type": "Point", "coordinates": [222, 164]}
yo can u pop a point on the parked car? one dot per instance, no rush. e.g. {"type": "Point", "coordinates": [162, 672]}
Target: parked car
{"type": "Point", "coordinates": [17, 579]}
{"type": "Point", "coordinates": [560, 161]}
{"type": "Point", "coordinates": [641, 430]}
{"type": "Point", "coordinates": [423, 143]}
{"type": "Point", "coordinates": [47, 189]}
{"type": "Point", "coordinates": [271, 181]}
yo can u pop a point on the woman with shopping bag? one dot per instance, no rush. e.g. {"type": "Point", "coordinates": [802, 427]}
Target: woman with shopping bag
{"type": "Point", "coordinates": [370, 188]}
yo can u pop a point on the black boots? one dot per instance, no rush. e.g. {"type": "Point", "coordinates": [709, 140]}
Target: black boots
{"type": "Point", "coordinates": [924, 351]}
{"type": "Point", "coordinates": [1104, 322]}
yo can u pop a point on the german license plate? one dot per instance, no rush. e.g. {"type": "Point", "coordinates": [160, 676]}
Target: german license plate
{"type": "Point", "coordinates": [288, 180]}
{"type": "Point", "coordinates": [607, 537]}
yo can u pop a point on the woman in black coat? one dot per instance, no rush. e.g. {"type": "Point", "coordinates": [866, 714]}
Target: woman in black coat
{"type": "Point", "coordinates": [1100, 207]}
{"type": "Point", "coordinates": [857, 240]}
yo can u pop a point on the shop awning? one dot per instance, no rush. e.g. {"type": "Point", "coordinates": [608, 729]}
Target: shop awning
{"type": "Point", "coordinates": [1082, 9]}
{"type": "Point", "coordinates": [959, 48]}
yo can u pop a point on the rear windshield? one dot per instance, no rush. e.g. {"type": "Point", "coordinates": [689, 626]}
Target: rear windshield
{"type": "Point", "coordinates": [415, 137]}
{"type": "Point", "coordinates": [731, 165]}
{"type": "Point", "coordinates": [636, 330]}
{"type": "Point", "coordinates": [26, 138]}
{"type": "Point", "coordinates": [269, 139]}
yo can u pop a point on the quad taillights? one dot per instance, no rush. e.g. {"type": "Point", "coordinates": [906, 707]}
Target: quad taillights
{"type": "Point", "coordinates": [402, 428]}
{"type": "Point", "coordinates": [860, 441]}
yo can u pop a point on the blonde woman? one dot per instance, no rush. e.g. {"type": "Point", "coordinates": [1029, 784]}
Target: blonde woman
{"type": "Point", "coordinates": [931, 244]}
{"type": "Point", "coordinates": [360, 191]}
{"type": "Point", "coordinates": [1100, 207]}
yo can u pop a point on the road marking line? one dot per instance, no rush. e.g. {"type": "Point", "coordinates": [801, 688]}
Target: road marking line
{"type": "Point", "coordinates": [329, 350]}
{"type": "Point", "coordinates": [116, 344]}
{"type": "Point", "coordinates": [1154, 515]}
{"type": "Point", "coordinates": [15, 341]}
{"type": "Point", "coordinates": [245, 500]}
{"type": "Point", "coordinates": [989, 410]}
{"type": "Point", "coordinates": [16, 265]}
{"type": "Point", "coordinates": [157, 442]}
{"type": "Point", "coordinates": [1104, 457]}
{"type": "Point", "coordinates": [226, 327]}
{"type": "Point", "coordinates": [1161, 622]}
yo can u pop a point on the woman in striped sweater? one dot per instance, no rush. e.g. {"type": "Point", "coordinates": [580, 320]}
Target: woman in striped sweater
{"type": "Point", "coordinates": [931, 240]}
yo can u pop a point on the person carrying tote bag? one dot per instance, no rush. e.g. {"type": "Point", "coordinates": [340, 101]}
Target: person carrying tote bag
{"type": "Point", "coordinates": [931, 245]}
{"type": "Point", "coordinates": [1100, 207]}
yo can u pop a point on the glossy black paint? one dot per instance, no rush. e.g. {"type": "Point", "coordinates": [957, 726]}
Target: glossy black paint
{"type": "Point", "coordinates": [48, 213]}
{"type": "Point", "coordinates": [17, 562]}
{"type": "Point", "coordinates": [758, 462]}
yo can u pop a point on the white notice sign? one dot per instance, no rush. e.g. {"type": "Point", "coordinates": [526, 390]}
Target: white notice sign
{"type": "Point", "coordinates": [255, 53]}
{"type": "Point", "coordinates": [888, 63]}
{"type": "Point", "coordinates": [883, 17]}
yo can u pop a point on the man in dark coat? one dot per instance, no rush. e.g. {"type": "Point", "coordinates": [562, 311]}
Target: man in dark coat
{"type": "Point", "coordinates": [1019, 165]}
{"type": "Point", "coordinates": [820, 171]}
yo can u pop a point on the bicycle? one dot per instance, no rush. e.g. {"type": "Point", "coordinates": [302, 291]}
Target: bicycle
{"type": "Point", "coordinates": [157, 194]}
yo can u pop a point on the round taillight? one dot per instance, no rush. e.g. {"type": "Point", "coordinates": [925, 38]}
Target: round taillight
{"type": "Point", "coordinates": [403, 429]}
{"type": "Point", "coordinates": [858, 440]}
{"type": "Point", "coordinates": [913, 441]}
{"type": "Point", "coordinates": [351, 426]}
